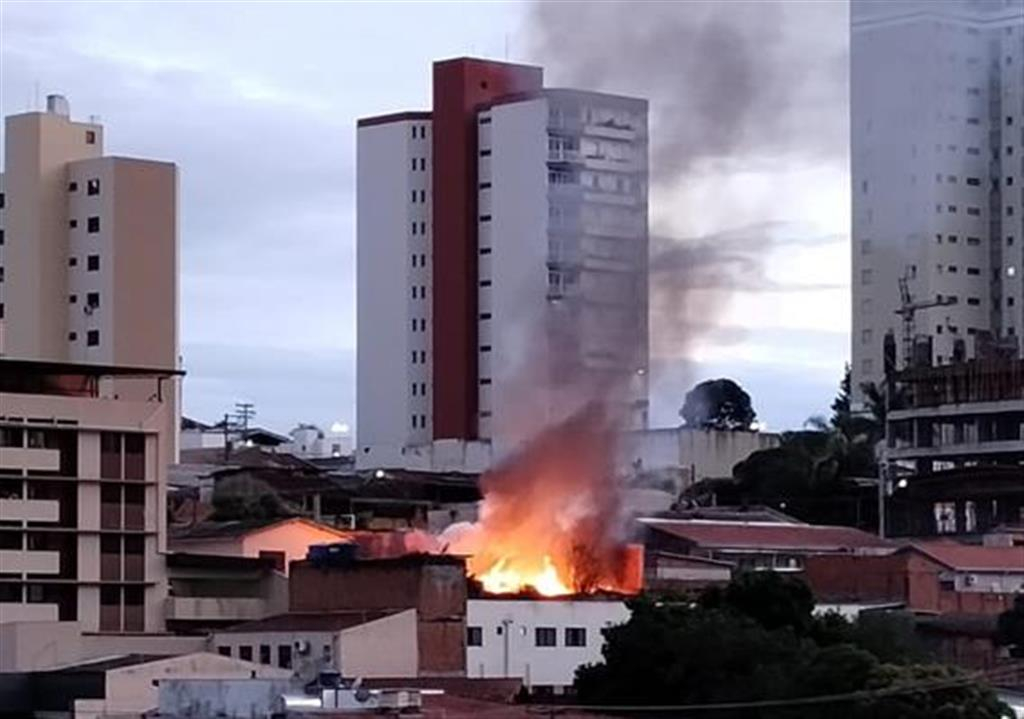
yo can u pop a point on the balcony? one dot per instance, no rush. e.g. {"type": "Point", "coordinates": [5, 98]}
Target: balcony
{"type": "Point", "coordinates": [16, 612]}
{"type": "Point", "coordinates": [216, 608]}
{"type": "Point", "coordinates": [30, 458]}
{"type": "Point", "coordinates": [19, 561]}
{"type": "Point", "coordinates": [30, 510]}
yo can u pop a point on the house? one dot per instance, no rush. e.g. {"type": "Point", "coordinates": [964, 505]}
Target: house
{"type": "Point", "coordinates": [374, 643]}
{"type": "Point", "coordinates": [758, 545]}
{"type": "Point", "coordinates": [541, 641]}
{"type": "Point", "coordinates": [932, 577]}
{"type": "Point", "coordinates": [283, 540]}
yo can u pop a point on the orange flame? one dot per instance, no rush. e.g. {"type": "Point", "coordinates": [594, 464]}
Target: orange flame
{"type": "Point", "coordinates": [551, 519]}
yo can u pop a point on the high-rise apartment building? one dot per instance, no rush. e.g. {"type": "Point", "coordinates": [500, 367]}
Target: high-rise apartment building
{"type": "Point", "coordinates": [502, 259]}
{"type": "Point", "coordinates": [89, 254]}
{"type": "Point", "coordinates": [937, 153]}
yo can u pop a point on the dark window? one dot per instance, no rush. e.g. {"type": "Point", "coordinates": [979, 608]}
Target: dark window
{"type": "Point", "coordinates": [92, 299]}
{"type": "Point", "coordinates": [72, 224]}
{"type": "Point", "coordinates": [72, 187]}
{"type": "Point", "coordinates": [485, 185]}
{"type": "Point", "coordinates": [245, 653]}
{"type": "Point", "coordinates": [474, 636]}
{"type": "Point", "coordinates": [485, 250]}
{"type": "Point", "coordinates": [2, 200]}
{"type": "Point", "coordinates": [276, 556]}
{"type": "Point", "coordinates": [92, 224]}
{"type": "Point", "coordinates": [545, 637]}
{"type": "Point", "coordinates": [92, 338]}
{"type": "Point", "coordinates": [485, 153]}
{"type": "Point", "coordinates": [973, 271]}
{"type": "Point", "coordinates": [1, 236]}
{"type": "Point", "coordinates": [485, 315]}
{"type": "Point", "coordinates": [92, 187]}
{"type": "Point", "coordinates": [264, 654]}
{"type": "Point", "coordinates": [973, 301]}
{"type": "Point", "coordinates": [485, 283]}
{"type": "Point", "coordinates": [575, 636]}
{"type": "Point", "coordinates": [134, 455]}
{"type": "Point", "coordinates": [90, 137]}
{"type": "Point", "coordinates": [72, 336]}
{"type": "Point", "coordinates": [110, 455]}
{"type": "Point", "coordinates": [224, 651]}
{"type": "Point", "coordinates": [284, 656]}
{"type": "Point", "coordinates": [485, 348]}
{"type": "Point", "coordinates": [72, 262]}
{"type": "Point", "coordinates": [92, 263]}
{"type": "Point", "coordinates": [485, 218]}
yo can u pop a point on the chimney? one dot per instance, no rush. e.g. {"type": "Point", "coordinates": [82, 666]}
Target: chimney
{"type": "Point", "coordinates": [58, 105]}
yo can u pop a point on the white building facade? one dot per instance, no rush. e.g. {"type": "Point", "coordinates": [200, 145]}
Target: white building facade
{"type": "Point", "coordinates": [937, 160]}
{"type": "Point", "coordinates": [541, 641]}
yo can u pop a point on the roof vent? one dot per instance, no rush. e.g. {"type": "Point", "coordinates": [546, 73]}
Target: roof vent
{"type": "Point", "coordinates": [58, 105]}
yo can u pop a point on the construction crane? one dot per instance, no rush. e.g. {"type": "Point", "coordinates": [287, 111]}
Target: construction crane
{"type": "Point", "coordinates": [908, 308]}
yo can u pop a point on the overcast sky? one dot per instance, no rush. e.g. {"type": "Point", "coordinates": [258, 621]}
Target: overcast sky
{"type": "Point", "coordinates": [257, 102]}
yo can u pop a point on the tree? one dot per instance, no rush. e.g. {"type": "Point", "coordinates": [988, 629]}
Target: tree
{"type": "Point", "coordinates": [841, 404]}
{"type": "Point", "coordinates": [731, 647]}
{"type": "Point", "coordinates": [718, 404]}
{"type": "Point", "coordinates": [1010, 628]}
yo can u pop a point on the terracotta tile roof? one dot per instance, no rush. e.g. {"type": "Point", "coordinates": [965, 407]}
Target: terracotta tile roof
{"type": "Point", "coordinates": [710, 534]}
{"type": "Point", "coordinates": [976, 558]}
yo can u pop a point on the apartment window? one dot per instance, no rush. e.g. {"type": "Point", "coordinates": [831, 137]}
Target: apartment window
{"type": "Point", "coordinates": [224, 651]}
{"type": "Point", "coordinates": [423, 228]}
{"type": "Point", "coordinates": [92, 263]}
{"type": "Point", "coordinates": [973, 301]}
{"type": "Point", "coordinates": [973, 271]}
{"type": "Point", "coordinates": [973, 121]}
{"type": "Point", "coordinates": [413, 195]}
{"type": "Point", "coordinates": [973, 181]}
{"type": "Point", "coordinates": [974, 211]}
{"type": "Point", "coordinates": [953, 269]}
{"type": "Point", "coordinates": [414, 165]}
{"type": "Point", "coordinates": [413, 128]}
{"type": "Point", "coordinates": [284, 656]}
{"type": "Point", "coordinates": [474, 636]}
{"type": "Point", "coordinates": [545, 637]}
{"type": "Point", "coordinates": [485, 348]}
{"type": "Point", "coordinates": [1009, 210]}
{"type": "Point", "coordinates": [866, 277]}
{"type": "Point", "coordinates": [414, 228]}
{"type": "Point", "coordinates": [485, 250]}
{"type": "Point", "coordinates": [72, 187]}
{"type": "Point", "coordinates": [485, 153]}
{"type": "Point", "coordinates": [973, 151]}
{"type": "Point", "coordinates": [485, 315]}
{"type": "Point", "coordinates": [952, 239]}
{"type": "Point", "coordinates": [485, 283]}
{"type": "Point", "coordinates": [92, 187]}
{"type": "Point", "coordinates": [414, 356]}
{"type": "Point", "coordinates": [575, 636]}
{"type": "Point", "coordinates": [951, 208]}
{"type": "Point", "coordinates": [423, 195]}
{"type": "Point", "coordinates": [865, 247]}
{"type": "Point", "coordinates": [72, 336]}
{"type": "Point", "coordinates": [423, 389]}
{"type": "Point", "coordinates": [973, 241]}
{"type": "Point", "coordinates": [945, 517]}
{"type": "Point", "coordinates": [92, 299]}
{"type": "Point", "coordinates": [866, 337]}
{"type": "Point", "coordinates": [90, 137]}
{"type": "Point", "coordinates": [414, 260]}
{"type": "Point", "coordinates": [867, 366]}
{"type": "Point", "coordinates": [485, 185]}
{"type": "Point", "coordinates": [92, 338]}
{"type": "Point", "coordinates": [72, 224]}
{"type": "Point", "coordinates": [485, 218]}
{"type": "Point", "coordinates": [92, 224]}
{"type": "Point", "coordinates": [485, 380]}
{"type": "Point", "coordinates": [245, 653]}
{"type": "Point", "coordinates": [415, 422]}
{"type": "Point", "coordinates": [414, 388]}
{"type": "Point", "coordinates": [72, 262]}
{"type": "Point", "coordinates": [264, 654]}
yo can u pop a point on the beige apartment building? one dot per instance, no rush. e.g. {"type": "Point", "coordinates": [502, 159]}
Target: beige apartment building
{"type": "Point", "coordinates": [82, 479]}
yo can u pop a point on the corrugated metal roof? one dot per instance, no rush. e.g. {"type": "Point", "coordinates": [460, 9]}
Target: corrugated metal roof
{"type": "Point", "coordinates": [713, 534]}
{"type": "Point", "coordinates": [975, 558]}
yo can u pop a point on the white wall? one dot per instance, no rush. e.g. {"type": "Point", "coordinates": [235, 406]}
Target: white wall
{"type": "Point", "coordinates": [385, 277]}
{"type": "Point", "coordinates": [513, 651]}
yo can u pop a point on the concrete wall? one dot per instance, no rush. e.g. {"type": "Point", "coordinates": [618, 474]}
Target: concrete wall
{"type": "Point", "coordinates": [700, 454]}
{"type": "Point", "coordinates": [134, 690]}
{"type": "Point", "coordinates": [228, 698]}
{"type": "Point", "coordinates": [509, 646]}
{"type": "Point", "coordinates": [386, 647]}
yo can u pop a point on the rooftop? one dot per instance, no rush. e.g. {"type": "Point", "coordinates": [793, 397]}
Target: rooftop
{"type": "Point", "coordinates": [310, 621]}
{"type": "Point", "coordinates": [713, 534]}
{"type": "Point", "coordinates": [239, 528]}
{"type": "Point", "coordinates": [974, 558]}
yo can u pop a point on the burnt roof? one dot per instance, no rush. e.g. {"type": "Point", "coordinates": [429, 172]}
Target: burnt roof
{"type": "Point", "coordinates": [311, 621]}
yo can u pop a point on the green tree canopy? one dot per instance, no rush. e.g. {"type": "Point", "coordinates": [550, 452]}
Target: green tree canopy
{"type": "Point", "coordinates": [718, 404]}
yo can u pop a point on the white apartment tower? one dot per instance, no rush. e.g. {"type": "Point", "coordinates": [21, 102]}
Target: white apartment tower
{"type": "Point", "coordinates": [89, 254]}
{"type": "Point", "coordinates": [937, 153]}
{"type": "Point", "coordinates": [490, 308]}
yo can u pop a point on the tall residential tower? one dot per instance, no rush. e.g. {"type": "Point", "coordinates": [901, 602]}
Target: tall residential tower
{"type": "Point", "coordinates": [937, 152]}
{"type": "Point", "coordinates": [502, 260]}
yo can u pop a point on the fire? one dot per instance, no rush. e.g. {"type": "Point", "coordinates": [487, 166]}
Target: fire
{"type": "Point", "coordinates": [550, 521]}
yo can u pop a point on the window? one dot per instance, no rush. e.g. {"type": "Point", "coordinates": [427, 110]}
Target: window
{"type": "Point", "coordinates": [92, 187]}
{"type": "Point", "coordinates": [90, 137]}
{"type": "Point", "coordinates": [485, 250]}
{"type": "Point", "coordinates": [92, 299]}
{"type": "Point", "coordinates": [72, 224]}
{"type": "Point", "coordinates": [953, 269]}
{"type": "Point", "coordinates": [945, 517]}
{"type": "Point", "coordinates": [866, 337]}
{"type": "Point", "coordinates": [414, 228]}
{"type": "Point", "coordinates": [545, 637]}
{"type": "Point", "coordinates": [224, 651]}
{"type": "Point", "coordinates": [485, 218]}
{"type": "Point", "coordinates": [245, 653]}
{"type": "Point", "coordinates": [72, 187]}
{"type": "Point", "coordinates": [284, 656]}
{"type": "Point", "coordinates": [423, 228]}
{"type": "Point", "coordinates": [970, 516]}
{"type": "Point", "coordinates": [485, 153]}
{"type": "Point", "coordinates": [867, 366]}
{"type": "Point", "coordinates": [275, 556]}
{"type": "Point", "coordinates": [92, 338]}
{"type": "Point", "coordinates": [485, 315]}
{"type": "Point", "coordinates": [952, 239]}
{"type": "Point", "coordinates": [485, 283]}
{"type": "Point", "coordinates": [973, 301]}
{"type": "Point", "coordinates": [865, 247]}
{"type": "Point", "coordinates": [575, 636]}
{"type": "Point", "coordinates": [485, 185]}
{"type": "Point", "coordinates": [264, 654]}
{"type": "Point", "coordinates": [423, 195]}
{"type": "Point", "coordinates": [485, 380]}
{"type": "Point", "coordinates": [974, 211]}
{"type": "Point", "coordinates": [973, 181]}
{"type": "Point", "coordinates": [413, 195]}
{"type": "Point", "coordinates": [973, 241]}
{"type": "Point", "coordinates": [414, 165]}
{"type": "Point", "coordinates": [72, 262]}
{"type": "Point", "coordinates": [92, 224]}
{"type": "Point", "coordinates": [72, 336]}
{"type": "Point", "coordinates": [866, 277]}
{"type": "Point", "coordinates": [92, 263]}
{"type": "Point", "coordinates": [485, 348]}
{"type": "Point", "coordinates": [973, 271]}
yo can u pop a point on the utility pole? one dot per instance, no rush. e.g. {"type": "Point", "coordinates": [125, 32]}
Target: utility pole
{"type": "Point", "coordinates": [244, 411]}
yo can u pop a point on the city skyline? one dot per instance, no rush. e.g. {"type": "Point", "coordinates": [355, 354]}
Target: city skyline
{"type": "Point", "coordinates": [282, 181]}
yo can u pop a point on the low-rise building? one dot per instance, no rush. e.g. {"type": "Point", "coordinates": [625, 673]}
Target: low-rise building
{"type": "Point", "coordinates": [355, 643]}
{"type": "Point", "coordinates": [282, 540]}
{"type": "Point", "coordinates": [84, 451]}
{"type": "Point", "coordinates": [758, 545]}
{"type": "Point", "coordinates": [696, 454]}
{"type": "Point", "coordinates": [541, 641]}
{"type": "Point", "coordinates": [208, 591]}
{"type": "Point", "coordinates": [933, 577]}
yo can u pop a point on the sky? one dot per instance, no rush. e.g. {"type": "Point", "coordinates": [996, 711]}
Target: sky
{"type": "Point", "coordinates": [257, 104]}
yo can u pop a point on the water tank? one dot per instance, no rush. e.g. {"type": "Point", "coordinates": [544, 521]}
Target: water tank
{"type": "Point", "coordinates": [58, 105]}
